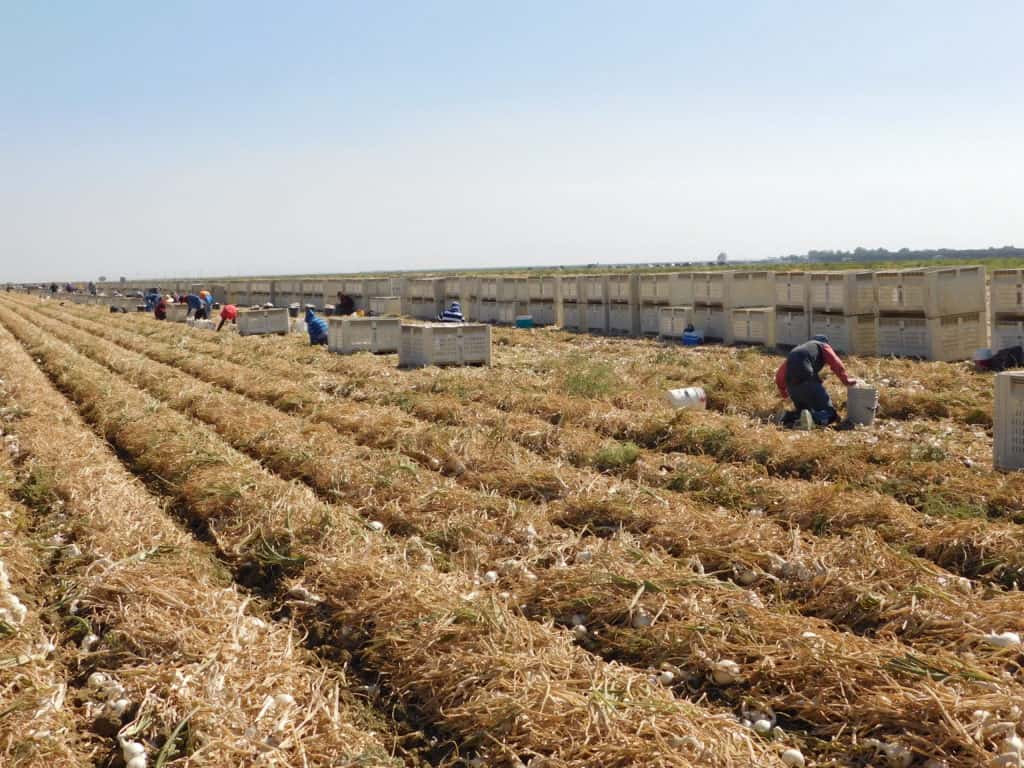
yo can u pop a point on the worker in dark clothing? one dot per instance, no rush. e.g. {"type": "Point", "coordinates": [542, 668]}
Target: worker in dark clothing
{"type": "Point", "coordinates": [160, 309]}
{"type": "Point", "coordinates": [316, 327]}
{"type": "Point", "coordinates": [345, 305]}
{"type": "Point", "coordinates": [196, 307]}
{"type": "Point", "coordinates": [799, 379]}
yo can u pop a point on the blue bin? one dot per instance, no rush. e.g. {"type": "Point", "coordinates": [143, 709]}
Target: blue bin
{"type": "Point", "coordinates": [524, 321]}
{"type": "Point", "coordinates": [692, 338]}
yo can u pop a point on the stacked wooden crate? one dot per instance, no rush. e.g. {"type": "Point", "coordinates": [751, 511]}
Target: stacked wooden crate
{"type": "Point", "coordinates": [792, 313]}
{"type": "Point", "coordinates": [423, 297]}
{"type": "Point", "coordinates": [934, 314]}
{"type": "Point", "coordinates": [661, 289]}
{"type": "Point", "coordinates": [717, 294]}
{"type": "Point", "coordinates": [842, 307]}
{"type": "Point", "coordinates": [1007, 308]}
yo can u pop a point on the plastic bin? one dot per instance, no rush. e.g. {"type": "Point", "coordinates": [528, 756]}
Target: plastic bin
{"type": "Point", "coordinates": [792, 327]}
{"type": "Point", "coordinates": [543, 312]}
{"type": "Point", "coordinates": [843, 292]}
{"type": "Point", "coordinates": [936, 292]}
{"type": "Point", "coordinates": [255, 322]}
{"type": "Point", "coordinates": [346, 335]}
{"type": "Point", "coordinates": [624, 319]}
{"type": "Point", "coordinates": [594, 288]}
{"type": "Point", "coordinates": [672, 321]}
{"type": "Point", "coordinates": [1007, 292]}
{"type": "Point", "coordinates": [444, 344]}
{"type": "Point", "coordinates": [713, 322]}
{"type": "Point", "coordinates": [574, 316]}
{"type": "Point", "coordinates": [542, 288]}
{"type": "Point", "coordinates": [596, 317]}
{"type": "Point", "coordinates": [950, 338]}
{"type": "Point", "coordinates": [1007, 333]}
{"type": "Point", "coordinates": [506, 312]}
{"type": "Point", "coordinates": [848, 334]}
{"type": "Point", "coordinates": [385, 305]}
{"type": "Point", "coordinates": [791, 290]}
{"type": "Point", "coordinates": [1008, 424]}
{"type": "Point", "coordinates": [176, 312]}
{"type": "Point", "coordinates": [623, 288]}
{"type": "Point", "coordinates": [754, 325]}
{"type": "Point", "coordinates": [570, 288]}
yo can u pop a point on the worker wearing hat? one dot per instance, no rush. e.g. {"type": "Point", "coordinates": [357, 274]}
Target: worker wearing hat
{"type": "Point", "coordinates": [799, 378]}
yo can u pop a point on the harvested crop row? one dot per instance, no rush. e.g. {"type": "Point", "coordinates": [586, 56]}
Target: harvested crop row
{"type": "Point", "coordinates": [165, 641]}
{"type": "Point", "coordinates": [465, 662]}
{"type": "Point", "coordinates": [789, 627]}
{"type": "Point", "coordinates": [39, 730]}
{"type": "Point", "coordinates": [927, 480]}
{"type": "Point", "coordinates": [859, 582]}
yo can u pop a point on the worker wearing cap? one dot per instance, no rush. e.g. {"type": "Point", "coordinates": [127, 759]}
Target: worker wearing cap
{"type": "Point", "coordinates": [799, 379]}
{"type": "Point", "coordinates": [228, 312]}
{"type": "Point", "coordinates": [316, 327]}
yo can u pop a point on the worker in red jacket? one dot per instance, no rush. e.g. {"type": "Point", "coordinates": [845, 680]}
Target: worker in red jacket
{"type": "Point", "coordinates": [228, 312]}
{"type": "Point", "coordinates": [799, 379]}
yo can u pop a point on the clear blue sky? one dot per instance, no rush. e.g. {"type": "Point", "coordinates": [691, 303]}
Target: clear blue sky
{"type": "Point", "coordinates": [147, 139]}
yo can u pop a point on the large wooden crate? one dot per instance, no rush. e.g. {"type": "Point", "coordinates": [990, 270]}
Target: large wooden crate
{"type": "Point", "coordinates": [385, 305]}
{"type": "Point", "coordinates": [444, 344]}
{"type": "Point", "coordinates": [1008, 422]}
{"type": "Point", "coordinates": [753, 325]}
{"type": "Point", "coordinates": [938, 292]}
{"type": "Point", "coordinates": [256, 322]}
{"type": "Point", "coordinates": [792, 327]}
{"type": "Point", "coordinates": [843, 292]}
{"type": "Point", "coordinates": [792, 290]}
{"type": "Point", "coordinates": [954, 337]}
{"type": "Point", "coordinates": [672, 321]}
{"type": "Point", "coordinates": [379, 335]}
{"type": "Point", "coordinates": [848, 334]}
{"type": "Point", "coordinates": [1007, 292]}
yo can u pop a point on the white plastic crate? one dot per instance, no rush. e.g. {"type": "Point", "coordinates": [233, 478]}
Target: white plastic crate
{"type": "Point", "coordinates": [750, 289]}
{"type": "Point", "coordinates": [346, 335]}
{"type": "Point", "coordinates": [203, 325]}
{"type": "Point", "coordinates": [954, 337]}
{"type": "Point", "coordinates": [542, 288]}
{"type": "Point", "coordinates": [1007, 292]}
{"type": "Point", "coordinates": [672, 321]}
{"type": "Point", "coordinates": [312, 293]}
{"type": "Point", "coordinates": [656, 287]}
{"type": "Point", "coordinates": [933, 292]}
{"type": "Point", "coordinates": [444, 344]}
{"type": "Point", "coordinates": [623, 288]}
{"type": "Point", "coordinates": [570, 288]}
{"type": "Point", "coordinates": [845, 292]}
{"type": "Point", "coordinates": [287, 292]}
{"type": "Point", "coordinates": [708, 287]}
{"type": "Point", "coordinates": [421, 308]}
{"type": "Point", "coordinates": [713, 322]}
{"type": "Point", "coordinates": [574, 316]}
{"type": "Point", "coordinates": [506, 312]}
{"type": "Point", "coordinates": [512, 289]}
{"type": "Point", "coordinates": [650, 318]}
{"type": "Point", "coordinates": [1007, 333]}
{"type": "Point", "coordinates": [456, 289]}
{"type": "Point", "coordinates": [596, 317]}
{"type": "Point", "coordinates": [593, 288]}
{"type": "Point", "coordinates": [424, 288]}
{"type": "Point", "coordinates": [1008, 425]}
{"type": "Point", "coordinates": [792, 327]}
{"type": "Point", "coordinates": [486, 311]}
{"type": "Point", "coordinates": [624, 319]}
{"type": "Point", "coordinates": [176, 312]}
{"type": "Point", "coordinates": [754, 325]}
{"type": "Point", "coordinates": [791, 290]}
{"type": "Point", "coordinates": [848, 334]}
{"type": "Point", "coordinates": [543, 312]}
{"type": "Point", "coordinates": [261, 291]}
{"type": "Point", "coordinates": [255, 322]}
{"type": "Point", "coordinates": [487, 289]}
{"type": "Point", "coordinates": [385, 305]}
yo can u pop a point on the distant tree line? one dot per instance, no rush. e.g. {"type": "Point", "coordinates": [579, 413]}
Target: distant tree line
{"type": "Point", "coordinates": [907, 254]}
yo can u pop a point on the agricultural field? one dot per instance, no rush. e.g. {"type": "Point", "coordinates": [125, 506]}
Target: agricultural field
{"type": "Point", "coordinates": [226, 551]}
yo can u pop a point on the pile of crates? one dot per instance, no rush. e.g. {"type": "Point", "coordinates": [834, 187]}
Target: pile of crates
{"type": "Point", "coordinates": [543, 301]}
{"type": "Point", "coordinates": [717, 296]}
{"type": "Point", "coordinates": [1007, 308]}
{"type": "Point", "coordinates": [841, 305]}
{"type": "Point", "coordinates": [792, 312]}
{"type": "Point", "coordinates": [933, 314]}
{"type": "Point", "coordinates": [574, 309]}
{"type": "Point", "coordinates": [423, 297]}
{"type": "Point", "coordinates": [623, 292]}
{"type": "Point", "coordinates": [661, 289]}
{"type": "Point", "coordinates": [512, 296]}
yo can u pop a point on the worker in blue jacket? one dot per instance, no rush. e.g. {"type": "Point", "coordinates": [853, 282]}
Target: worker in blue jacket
{"type": "Point", "coordinates": [316, 326]}
{"type": "Point", "coordinates": [453, 314]}
{"type": "Point", "coordinates": [197, 306]}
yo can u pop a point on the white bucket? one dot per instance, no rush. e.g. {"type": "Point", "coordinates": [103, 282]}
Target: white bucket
{"type": "Point", "coordinates": [861, 404]}
{"type": "Point", "coordinates": [688, 397]}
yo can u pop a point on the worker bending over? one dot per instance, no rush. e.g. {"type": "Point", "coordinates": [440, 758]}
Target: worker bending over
{"type": "Point", "coordinates": [228, 312]}
{"type": "Point", "coordinates": [799, 379]}
{"type": "Point", "coordinates": [316, 326]}
{"type": "Point", "coordinates": [160, 309]}
{"type": "Point", "coordinates": [452, 315]}
{"type": "Point", "coordinates": [196, 307]}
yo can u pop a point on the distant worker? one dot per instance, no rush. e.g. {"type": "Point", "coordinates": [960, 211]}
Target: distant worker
{"type": "Point", "coordinates": [799, 379]}
{"type": "Point", "coordinates": [345, 305]}
{"type": "Point", "coordinates": [196, 307]}
{"type": "Point", "coordinates": [228, 312]}
{"type": "Point", "coordinates": [208, 299]}
{"type": "Point", "coordinates": [53, 287]}
{"type": "Point", "coordinates": [316, 326]}
{"type": "Point", "coordinates": [92, 288]}
{"type": "Point", "coordinates": [160, 308]}
{"type": "Point", "coordinates": [453, 314]}
{"type": "Point", "coordinates": [151, 298]}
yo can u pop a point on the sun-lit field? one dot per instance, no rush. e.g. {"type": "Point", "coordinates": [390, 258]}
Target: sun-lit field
{"type": "Point", "coordinates": [249, 551]}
